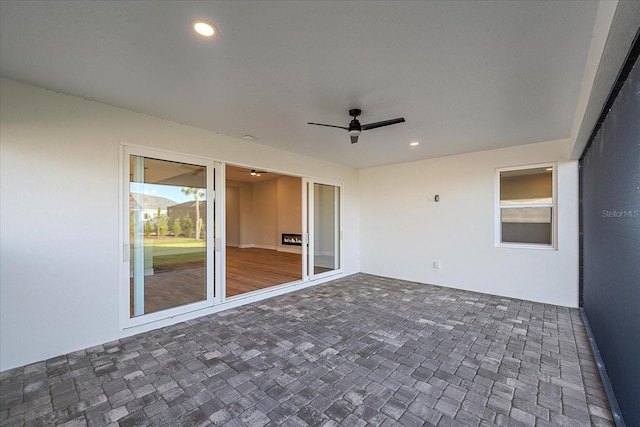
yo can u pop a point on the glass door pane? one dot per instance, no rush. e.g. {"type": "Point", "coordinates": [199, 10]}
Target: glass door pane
{"type": "Point", "coordinates": [167, 232]}
{"type": "Point", "coordinates": [326, 228]}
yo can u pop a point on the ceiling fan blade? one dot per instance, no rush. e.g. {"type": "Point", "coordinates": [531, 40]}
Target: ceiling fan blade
{"type": "Point", "coordinates": [195, 170]}
{"type": "Point", "coordinates": [382, 123]}
{"type": "Point", "coordinates": [329, 126]}
{"type": "Point", "coordinates": [188, 179]}
{"type": "Point", "coordinates": [354, 139]}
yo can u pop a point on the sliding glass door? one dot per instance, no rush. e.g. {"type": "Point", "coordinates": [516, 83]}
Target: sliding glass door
{"type": "Point", "coordinates": [169, 241]}
{"type": "Point", "coordinates": [183, 250]}
{"type": "Point", "coordinates": [324, 223]}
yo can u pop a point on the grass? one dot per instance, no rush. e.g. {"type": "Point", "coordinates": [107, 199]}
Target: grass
{"type": "Point", "coordinates": [171, 253]}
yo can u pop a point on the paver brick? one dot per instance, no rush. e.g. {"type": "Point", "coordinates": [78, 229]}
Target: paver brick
{"type": "Point", "coordinates": [362, 350]}
{"type": "Point", "coordinates": [447, 406]}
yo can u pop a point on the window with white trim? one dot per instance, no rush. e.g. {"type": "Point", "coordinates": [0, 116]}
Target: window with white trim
{"type": "Point", "coordinates": [526, 206]}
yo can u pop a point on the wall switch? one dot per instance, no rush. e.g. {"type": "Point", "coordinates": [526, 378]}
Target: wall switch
{"type": "Point", "coordinates": [437, 264]}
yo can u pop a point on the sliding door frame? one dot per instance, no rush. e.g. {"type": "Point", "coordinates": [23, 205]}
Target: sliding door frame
{"type": "Point", "coordinates": [309, 224]}
{"type": "Point", "coordinates": [305, 228]}
{"type": "Point", "coordinates": [213, 229]}
{"type": "Point", "coordinates": [216, 238]}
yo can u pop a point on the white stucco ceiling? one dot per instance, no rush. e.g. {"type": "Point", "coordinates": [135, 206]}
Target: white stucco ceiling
{"type": "Point", "coordinates": [467, 76]}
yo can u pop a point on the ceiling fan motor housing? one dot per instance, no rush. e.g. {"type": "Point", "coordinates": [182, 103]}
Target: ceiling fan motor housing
{"type": "Point", "coordinates": [354, 127]}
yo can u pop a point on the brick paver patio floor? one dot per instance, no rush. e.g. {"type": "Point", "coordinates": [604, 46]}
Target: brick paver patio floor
{"type": "Point", "coordinates": [361, 350]}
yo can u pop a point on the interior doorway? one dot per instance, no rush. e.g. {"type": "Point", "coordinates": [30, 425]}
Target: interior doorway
{"type": "Point", "coordinates": [264, 230]}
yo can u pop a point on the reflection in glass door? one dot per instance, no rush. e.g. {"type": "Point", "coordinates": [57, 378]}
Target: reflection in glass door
{"type": "Point", "coordinates": [168, 238]}
{"type": "Point", "coordinates": [326, 228]}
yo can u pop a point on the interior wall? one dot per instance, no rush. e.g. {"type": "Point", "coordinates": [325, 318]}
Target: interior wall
{"type": "Point", "coordinates": [404, 231]}
{"type": "Point", "coordinates": [289, 210]}
{"type": "Point", "coordinates": [60, 158]}
{"type": "Point", "coordinates": [245, 214]}
{"type": "Point", "coordinates": [232, 216]}
{"type": "Point", "coordinates": [266, 210]}
{"type": "Point", "coordinates": [265, 214]}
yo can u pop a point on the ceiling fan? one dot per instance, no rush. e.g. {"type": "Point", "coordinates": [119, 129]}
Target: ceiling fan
{"type": "Point", "coordinates": [193, 176]}
{"type": "Point", "coordinates": [355, 127]}
{"type": "Point", "coordinates": [193, 169]}
{"type": "Point", "coordinates": [253, 172]}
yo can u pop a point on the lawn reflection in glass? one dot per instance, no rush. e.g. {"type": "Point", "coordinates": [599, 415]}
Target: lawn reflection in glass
{"type": "Point", "coordinates": [167, 226]}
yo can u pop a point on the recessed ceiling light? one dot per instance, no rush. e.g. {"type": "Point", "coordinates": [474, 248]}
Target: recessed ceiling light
{"type": "Point", "coordinates": [414, 144]}
{"type": "Point", "coordinates": [204, 28]}
{"type": "Point", "coordinates": [248, 137]}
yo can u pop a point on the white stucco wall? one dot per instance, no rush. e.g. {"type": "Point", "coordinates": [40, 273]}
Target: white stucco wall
{"type": "Point", "coordinates": [60, 216]}
{"type": "Point", "coordinates": [403, 231]}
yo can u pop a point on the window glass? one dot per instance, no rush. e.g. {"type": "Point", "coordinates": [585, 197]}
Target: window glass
{"type": "Point", "coordinates": [526, 206]}
{"type": "Point", "coordinates": [326, 228]}
{"type": "Point", "coordinates": [167, 226]}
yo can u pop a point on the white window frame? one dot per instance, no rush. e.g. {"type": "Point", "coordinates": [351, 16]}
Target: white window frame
{"type": "Point", "coordinates": [213, 261]}
{"type": "Point", "coordinates": [553, 205]}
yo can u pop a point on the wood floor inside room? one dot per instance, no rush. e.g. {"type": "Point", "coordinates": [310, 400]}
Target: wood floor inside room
{"type": "Point", "coordinates": [251, 269]}
{"type": "Point", "coordinates": [248, 270]}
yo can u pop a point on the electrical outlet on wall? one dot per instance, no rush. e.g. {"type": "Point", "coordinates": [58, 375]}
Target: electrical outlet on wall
{"type": "Point", "coordinates": [437, 265]}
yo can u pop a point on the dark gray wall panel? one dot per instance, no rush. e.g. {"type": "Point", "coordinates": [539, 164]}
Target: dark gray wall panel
{"type": "Point", "coordinates": [611, 244]}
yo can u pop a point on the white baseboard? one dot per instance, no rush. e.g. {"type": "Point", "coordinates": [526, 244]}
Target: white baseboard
{"type": "Point", "coordinates": [253, 245]}
{"type": "Point", "coordinates": [282, 248]}
{"type": "Point", "coordinates": [290, 249]}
